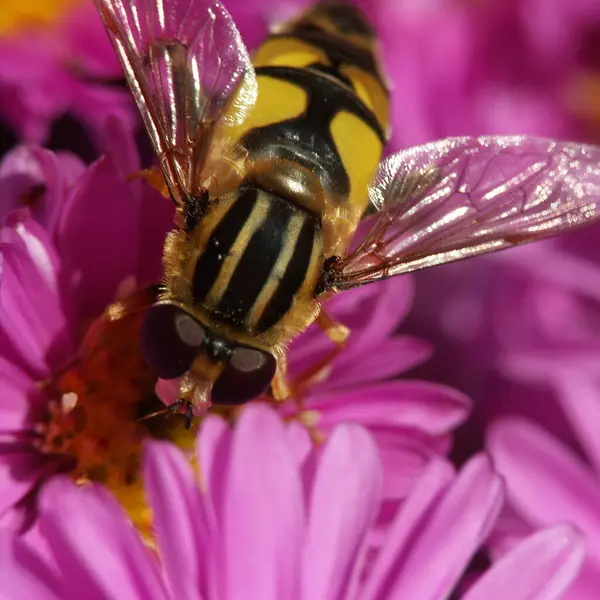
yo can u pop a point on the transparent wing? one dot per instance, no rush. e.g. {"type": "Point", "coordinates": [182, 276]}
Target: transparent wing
{"type": "Point", "coordinates": [183, 61]}
{"type": "Point", "coordinates": [461, 197]}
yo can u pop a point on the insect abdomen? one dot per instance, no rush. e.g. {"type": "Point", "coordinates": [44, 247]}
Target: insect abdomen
{"type": "Point", "coordinates": [321, 115]}
{"type": "Point", "coordinates": [336, 39]}
{"type": "Point", "coordinates": [260, 256]}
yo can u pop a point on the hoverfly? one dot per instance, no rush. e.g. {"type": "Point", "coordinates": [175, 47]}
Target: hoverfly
{"type": "Point", "coordinates": [274, 164]}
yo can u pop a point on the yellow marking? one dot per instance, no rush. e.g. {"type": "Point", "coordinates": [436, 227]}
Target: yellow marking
{"type": "Point", "coordinates": [217, 212]}
{"type": "Point", "coordinates": [253, 223]}
{"type": "Point", "coordinates": [277, 101]}
{"type": "Point", "coordinates": [360, 150]}
{"type": "Point", "coordinates": [288, 52]}
{"type": "Point", "coordinates": [277, 272]}
{"type": "Point", "coordinates": [371, 91]}
{"type": "Point", "coordinates": [305, 307]}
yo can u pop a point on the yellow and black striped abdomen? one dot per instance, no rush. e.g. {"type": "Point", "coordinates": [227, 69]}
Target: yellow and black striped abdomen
{"type": "Point", "coordinates": [317, 130]}
{"type": "Point", "coordinates": [336, 39]}
{"type": "Point", "coordinates": [259, 255]}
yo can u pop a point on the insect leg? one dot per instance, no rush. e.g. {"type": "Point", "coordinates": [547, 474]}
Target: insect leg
{"type": "Point", "coordinates": [154, 178]}
{"type": "Point", "coordinates": [280, 385]}
{"type": "Point", "coordinates": [189, 415]}
{"type": "Point", "coordinates": [338, 334]}
{"type": "Point", "coordinates": [174, 408]}
{"type": "Point", "coordinates": [335, 331]}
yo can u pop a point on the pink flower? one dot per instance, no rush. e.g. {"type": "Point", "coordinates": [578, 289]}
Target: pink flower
{"type": "Point", "coordinates": [412, 420]}
{"type": "Point", "coordinates": [274, 519]}
{"type": "Point", "coordinates": [58, 63]}
{"type": "Point", "coordinates": [508, 327]}
{"type": "Point", "coordinates": [93, 237]}
{"type": "Point", "coordinates": [548, 483]}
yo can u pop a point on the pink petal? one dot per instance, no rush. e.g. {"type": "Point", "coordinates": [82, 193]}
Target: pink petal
{"type": "Point", "coordinates": [98, 250]}
{"type": "Point", "coordinates": [21, 470]}
{"type": "Point", "coordinates": [431, 408]}
{"type": "Point", "coordinates": [578, 397]}
{"type": "Point", "coordinates": [120, 145]}
{"type": "Point", "coordinates": [510, 530]}
{"type": "Point", "coordinates": [299, 440]}
{"type": "Point", "coordinates": [22, 403]}
{"type": "Point", "coordinates": [553, 558]}
{"type": "Point", "coordinates": [263, 515]}
{"type": "Point", "coordinates": [587, 583]}
{"type": "Point", "coordinates": [94, 544]}
{"type": "Point", "coordinates": [343, 504]}
{"type": "Point", "coordinates": [31, 315]}
{"type": "Point", "coordinates": [24, 576]}
{"type": "Point", "coordinates": [546, 482]}
{"type": "Point", "coordinates": [362, 364]}
{"type": "Point", "coordinates": [415, 510]}
{"type": "Point", "coordinates": [155, 221]}
{"type": "Point", "coordinates": [24, 232]}
{"type": "Point", "coordinates": [180, 523]}
{"type": "Point", "coordinates": [446, 537]}
{"type": "Point", "coordinates": [25, 168]}
{"type": "Point", "coordinates": [405, 454]}
{"type": "Point", "coordinates": [214, 447]}
{"type": "Point", "coordinates": [371, 312]}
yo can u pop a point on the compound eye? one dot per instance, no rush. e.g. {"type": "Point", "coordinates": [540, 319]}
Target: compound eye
{"type": "Point", "coordinates": [246, 376]}
{"type": "Point", "coordinates": [170, 340]}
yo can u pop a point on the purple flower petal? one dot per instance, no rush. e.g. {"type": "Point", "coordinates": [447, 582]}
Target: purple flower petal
{"type": "Point", "coordinates": [444, 537]}
{"type": "Point", "coordinates": [428, 407]}
{"type": "Point", "coordinates": [99, 251]}
{"type": "Point", "coordinates": [372, 313]}
{"type": "Point", "coordinates": [299, 440]}
{"type": "Point", "coordinates": [214, 446]}
{"type": "Point", "coordinates": [553, 558]}
{"type": "Point", "coordinates": [263, 514]}
{"type": "Point", "coordinates": [389, 358]}
{"type": "Point", "coordinates": [21, 469]}
{"type": "Point", "coordinates": [31, 314]}
{"type": "Point", "coordinates": [24, 576]}
{"type": "Point", "coordinates": [578, 396]}
{"type": "Point", "coordinates": [343, 504]}
{"type": "Point", "coordinates": [405, 454]}
{"type": "Point", "coordinates": [181, 525]}
{"type": "Point", "coordinates": [417, 507]}
{"type": "Point", "coordinates": [26, 168]}
{"type": "Point", "coordinates": [22, 403]}
{"type": "Point", "coordinates": [100, 554]}
{"type": "Point", "coordinates": [546, 482]}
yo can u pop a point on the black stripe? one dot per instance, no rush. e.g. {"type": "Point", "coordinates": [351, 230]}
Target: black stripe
{"type": "Point", "coordinates": [220, 242]}
{"type": "Point", "coordinates": [255, 265]}
{"type": "Point", "coordinates": [326, 98]}
{"type": "Point", "coordinates": [293, 277]}
{"type": "Point", "coordinates": [345, 17]}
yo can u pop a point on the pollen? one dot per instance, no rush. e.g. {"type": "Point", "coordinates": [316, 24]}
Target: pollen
{"type": "Point", "coordinates": [17, 15]}
{"type": "Point", "coordinates": [94, 419]}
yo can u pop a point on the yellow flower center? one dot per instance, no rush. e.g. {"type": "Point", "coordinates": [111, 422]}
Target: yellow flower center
{"type": "Point", "coordinates": [94, 417]}
{"type": "Point", "coordinates": [18, 15]}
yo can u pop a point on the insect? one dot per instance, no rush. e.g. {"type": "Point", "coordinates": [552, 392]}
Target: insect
{"type": "Point", "coordinates": [274, 164]}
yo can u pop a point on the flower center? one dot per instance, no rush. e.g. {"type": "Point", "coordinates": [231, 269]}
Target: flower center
{"type": "Point", "coordinates": [17, 15]}
{"type": "Point", "coordinates": [94, 418]}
